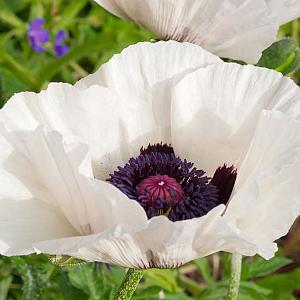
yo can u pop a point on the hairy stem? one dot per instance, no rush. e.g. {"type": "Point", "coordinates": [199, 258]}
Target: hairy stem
{"type": "Point", "coordinates": [129, 284]}
{"type": "Point", "coordinates": [235, 276]}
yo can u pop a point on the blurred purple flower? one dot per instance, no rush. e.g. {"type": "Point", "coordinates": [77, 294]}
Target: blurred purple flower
{"type": "Point", "coordinates": [60, 48]}
{"type": "Point", "coordinates": [37, 35]}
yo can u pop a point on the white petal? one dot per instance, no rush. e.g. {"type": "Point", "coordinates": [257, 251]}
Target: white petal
{"type": "Point", "coordinates": [58, 173]}
{"type": "Point", "coordinates": [148, 71]}
{"type": "Point", "coordinates": [24, 222]}
{"type": "Point", "coordinates": [24, 217]}
{"type": "Point", "coordinates": [229, 28]}
{"type": "Point", "coordinates": [114, 122]}
{"type": "Point", "coordinates": [215, 111]}
{"type": "Point", "coordinates": [161, 243]}
{"type": "Point", "coordinates": [113, 7]}
{"type": "Point", "coordinates": [113, 127]}
{"type": "Point", "coordinates": [140, 68]}
{"type": "Point", "coordinates": [267, 188]}
{"type": "Point", "coordinates": [285, 10]}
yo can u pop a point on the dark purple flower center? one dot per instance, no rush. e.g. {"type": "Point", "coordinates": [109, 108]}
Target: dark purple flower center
{"type": "Point", "coordinates": [164, 184]}
{"type": "Point", "coordinates": [159, 187]}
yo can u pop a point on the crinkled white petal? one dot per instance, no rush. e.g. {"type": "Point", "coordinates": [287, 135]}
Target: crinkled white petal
{"type": "Point", "coordinates": [215, 111]}
{"type": "Point", "coordinates": [43, 169]}
{"type": "Point", "coordinates": [113, 128]}
{"type": "Point", "coordinates": [285, 10]}
{"type": "Point", "coordinates": [91, 128]}
{"type": "Point", "coordinates": [24, 217]}
{"type": "Point", "coordinates": [266, 198]}
{"type": "Point", "coordinates": [229, 28]}
{"type": "Point", "coordinates": [149, 72]}
{"type": "Point", "coordinates": [133, 111]}
{"type": "Point", "coordinates": [140, 68]}
{"type": "Point", "coordinates": [161, 243]}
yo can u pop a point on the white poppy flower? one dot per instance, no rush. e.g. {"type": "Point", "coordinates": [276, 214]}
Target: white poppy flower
{"type": "Point", "coordinates": [234, 29]}
{"type": "Point", "coordinates": [78, 176]}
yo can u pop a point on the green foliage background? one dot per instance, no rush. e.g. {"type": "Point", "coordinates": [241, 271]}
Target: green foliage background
{"type": "Point", "coordinates": [94, 36]}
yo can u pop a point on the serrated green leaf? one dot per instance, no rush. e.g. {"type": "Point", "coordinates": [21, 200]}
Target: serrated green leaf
{"type": "Point", "coordinates": [69, 292]}
{"type": "Point", "coordinates": [34, 279]}
{"type": "Point", "coordinates": [282, 56]}
{"type": "Point", "coordinates": [88, 279]}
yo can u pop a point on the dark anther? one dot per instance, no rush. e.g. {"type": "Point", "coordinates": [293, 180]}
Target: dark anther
{"type": "Point", "coordinates": [224, 179]}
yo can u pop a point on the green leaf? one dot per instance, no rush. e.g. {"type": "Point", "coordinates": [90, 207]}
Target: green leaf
{"type": "Point", "coordinates": [190, 285]}
{"type": "Point", "coordinates": [9, 85]}
{"type": "Point", "coordinates": [259, 267]}
{"type": "Point", "coordinates": [20, 72]}
{"type": "Point", "coordinates": [179, 296]}
{"type": "Point", "coordinates": [204, 268]}
{"type": "Point", "coordinates": [282, 56]}
{"type": "Point", "coordinates": [155, 293]}
{"type": "Point", "coordinates": [216, 293]}
{"type": "Point", "coordinates": [4, 287]}
{"type": "Point", "coordinates": [34, 279]}
{"type": "Point", "coordinates": [69, 292]}
{"type": "Point", "coordinates": [282, 285]}
{"type": "Point", "coordinates": [252, 291]}
{"type": "Point", "coordinates": [88, 279]}
{"type": "Point", "coordinates": [248, 291]}
{"type": "Point", "coordinates": [166, 279]}
{"type": "Point", "coordinates": [114, 275]}
{"type": "Point", "coordinates": [68, 15]}
{"type": "Point", "coordinates": [292, 65]}
{"type": "Point", "coordinates": [16, 5]}
{"type": "Point", "coordinates": [7, 16]}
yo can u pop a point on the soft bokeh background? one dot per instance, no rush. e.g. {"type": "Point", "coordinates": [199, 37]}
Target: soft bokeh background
{"type": "Point", "coordinates": [93, 37]}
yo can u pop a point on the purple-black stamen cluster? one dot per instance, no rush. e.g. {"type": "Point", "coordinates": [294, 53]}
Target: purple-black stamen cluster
{"type": "Point", "coordinates": [224, 178]}
{"type": "Point", "coordinates": [188, 192]}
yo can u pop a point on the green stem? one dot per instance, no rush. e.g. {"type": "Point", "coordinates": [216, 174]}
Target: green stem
{"type": "Point", "coordinates": [129, 284]}
{"type": "Point", "coordinates": [235, 276]}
